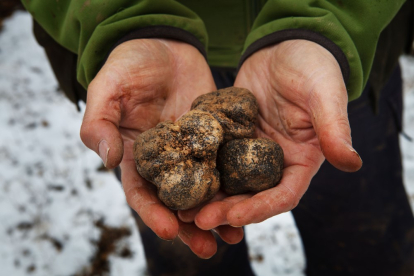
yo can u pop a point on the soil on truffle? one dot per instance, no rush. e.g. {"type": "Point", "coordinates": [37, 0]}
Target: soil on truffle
{"type": "Point", "coordinates": [250, 165]}
{"type": "Point", "coordinates": [235, 108]}
{"type": "Point", "coordinates": [180, 159]}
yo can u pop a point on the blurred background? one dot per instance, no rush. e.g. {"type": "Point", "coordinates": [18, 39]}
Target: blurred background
{"type": "Point", "coordinates": [61, 211]}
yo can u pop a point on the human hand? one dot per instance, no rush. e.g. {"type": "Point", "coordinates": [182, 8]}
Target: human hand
{"type": "Point", "coordinates": [303, 106]}
{"type": "Point", "coordinates": [144, 82]}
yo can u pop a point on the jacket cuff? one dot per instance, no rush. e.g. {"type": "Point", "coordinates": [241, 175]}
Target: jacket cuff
{"type": "Point", "coordinates": [162, 31]}
{"type": "Point", "coordinates": [291, 34]}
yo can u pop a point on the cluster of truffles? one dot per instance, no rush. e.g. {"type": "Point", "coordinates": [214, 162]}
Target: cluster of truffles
{"type": "Point", "coordinates": [208, 148]}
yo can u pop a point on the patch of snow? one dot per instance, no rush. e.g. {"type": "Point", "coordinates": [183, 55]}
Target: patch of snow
{"type": "Point", "coordinates": [407, 146]}
{"type": "Point", "coordinates": [275, 247]}
{"type": "Point", "coordinates": [51, 192]}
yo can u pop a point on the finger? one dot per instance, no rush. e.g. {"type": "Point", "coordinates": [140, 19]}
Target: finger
{"type": "Point", "coordinates": [99, 130]}
{"type": "Point", "coordinates": [282, 198]}
{"type": "Point", "coordinates": [190, 214]}
{"type": "Point", "coordinates": [215, 214]}
{"type": "Point", "coordinates": [330, 120]}
{"type": "Point", "coordinates": [201, 242]}
{"type": "Point", "coordinates": [229, 234]}
{"type": "Point", "coordinates": [141, 196]}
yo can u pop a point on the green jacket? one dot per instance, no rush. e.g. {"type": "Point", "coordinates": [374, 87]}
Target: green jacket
{"type": "Point", "coordinates": [228, 30]}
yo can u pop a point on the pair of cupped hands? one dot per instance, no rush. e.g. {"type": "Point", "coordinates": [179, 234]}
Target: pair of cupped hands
{"type": "Point", "coordinates": [303, 107]}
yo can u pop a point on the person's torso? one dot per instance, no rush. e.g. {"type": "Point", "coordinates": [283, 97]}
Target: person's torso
{"type": "Point", "coordinates": [228, 23]}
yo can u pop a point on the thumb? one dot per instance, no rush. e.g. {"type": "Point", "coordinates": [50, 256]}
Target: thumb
{"type": "Point", "coordinates": [328, 106]}
{"type": "Point", "coordinates": [99, 130]}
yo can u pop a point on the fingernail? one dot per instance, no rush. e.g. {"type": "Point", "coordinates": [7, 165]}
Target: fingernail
{"type": "Point", "coordinates": [236, 226]}
{"type": "Point", "coordinates": [349, 146]}
{"type": "Point", "coordinates": [169, 240]}
{"type": "Point", "coordinates": [183, 233]}
{"type": "Point", "coordinates": [357, 154]}
{"type": "Point", "coordinates": [103, 149]}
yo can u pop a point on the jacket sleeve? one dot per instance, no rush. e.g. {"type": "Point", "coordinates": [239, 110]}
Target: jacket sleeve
{"type": "Point", "coordinates": [91, 28]}
{"type": "Point", "coordinates": [349, 29]}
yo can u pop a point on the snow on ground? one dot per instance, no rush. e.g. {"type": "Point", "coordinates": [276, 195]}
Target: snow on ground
{"type": "Point", "coordinates": [407, 146]}
{"type": "Point", "coordinates": [51, 192]}
{"type": "Point", "coordinates": [56, 201]}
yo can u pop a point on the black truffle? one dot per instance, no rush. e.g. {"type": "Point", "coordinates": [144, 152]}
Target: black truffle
{"type": "Point", "coordinates": [250, 165]}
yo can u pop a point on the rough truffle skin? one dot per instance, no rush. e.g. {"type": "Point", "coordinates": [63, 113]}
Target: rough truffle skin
{"type": "Point", "coordinates": [180, 159]}
{"type": "Point", "coordinates": [250, 165]}
{"type": "Point", "coordinates": [235, 108]}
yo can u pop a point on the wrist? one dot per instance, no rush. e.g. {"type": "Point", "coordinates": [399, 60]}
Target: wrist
{"type": "Point", "coordinates": [299, 34]}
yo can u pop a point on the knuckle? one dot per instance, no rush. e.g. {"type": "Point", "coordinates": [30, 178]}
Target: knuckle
{"type": "Point", "coordinates": [86, 136]}
{"type": "Point", "coordinates": [133, 196]}
{"type": "Point", "coordinates": [289, 199]}
{"type": "Point", "coordinates": [293, 200]}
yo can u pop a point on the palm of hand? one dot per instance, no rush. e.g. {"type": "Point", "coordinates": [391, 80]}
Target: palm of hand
{"type": "Point", "coordinates": [284, 93]}
{"type": "Point", "coordinates": [142, 83]}
{"type": "Point", "coordinates": [302, 100]}
{"type": "Point", "coordinates": [147, 82]}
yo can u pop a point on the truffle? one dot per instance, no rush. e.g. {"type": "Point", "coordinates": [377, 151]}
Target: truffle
{"type": "Point", "coordinates": [235, 108]}
{"type": "Point", "coordinates": [250, 165]}
{"type": "Point", "coordinates": [180, 159]}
